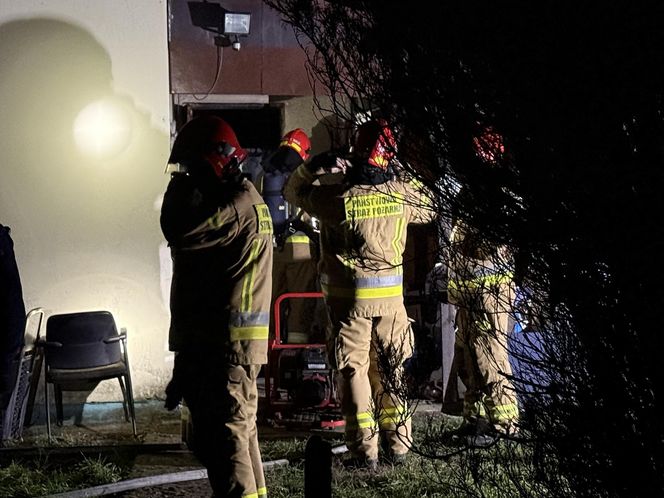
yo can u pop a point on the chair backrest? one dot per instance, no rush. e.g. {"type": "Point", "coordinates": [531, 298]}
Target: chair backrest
{"type": "Point", "coordinates": [33, 328]}
{"type": "Point", "coordinates": [82, 336]}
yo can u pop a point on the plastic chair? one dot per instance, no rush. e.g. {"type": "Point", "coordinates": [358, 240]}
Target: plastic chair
{"type": "Point", "coordinates": [81, 350]}
{"type": "Point", "coordinates": [26, 368]}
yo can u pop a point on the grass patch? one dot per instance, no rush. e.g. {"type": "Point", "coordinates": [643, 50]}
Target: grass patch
{"type": "Point", "coordinates": [479, 475]}
{"type": "Point", "coordinates": [292, 449]}
{"type": "Point", "coordinates": [502, 471]}
{"type": "Point", "coordinates": [505, 470]}
{"type": "Point", "coordinates": [22, 480]}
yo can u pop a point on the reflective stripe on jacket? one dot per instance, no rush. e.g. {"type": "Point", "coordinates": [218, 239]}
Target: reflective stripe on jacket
{"type": "Point", "coordinates": [296, 247]}
{"type": "Point", "coordinates": [363, 236]}
{"type": "Point", "coordinates": [222, 256]}
{"type": "Point", "coordinates": [475, 268]}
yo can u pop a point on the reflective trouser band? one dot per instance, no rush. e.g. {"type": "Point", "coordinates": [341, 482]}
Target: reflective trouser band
{"type": "Point", "coordinates": [475, 409]}
{"type": "Point", "coordinates": [297, 239]}
{"type": "Point", "coordinates": [480, 282]}
{"type": "Point", "coordinates": [249, 333]}
{"type": "Point", "coordinates": [502, 413]}
{"type": "Point", "coordinates": [257, 494]}
{"type": "Point", "coordinates": [363, 293]}
{"type": "Point", "coordinates": [362, 420]}
{"type": "Point", "coordinates": [388, 417]}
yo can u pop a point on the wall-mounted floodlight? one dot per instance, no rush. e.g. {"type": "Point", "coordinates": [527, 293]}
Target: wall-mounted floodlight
{"type": "Point", "coordinates": [228, 26]}
{"type": "Point", "coordinates": [237, 23]}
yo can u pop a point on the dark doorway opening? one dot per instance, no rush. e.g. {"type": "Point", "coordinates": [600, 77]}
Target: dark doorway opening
{"type": "Point", "coordinates": [255, 127]}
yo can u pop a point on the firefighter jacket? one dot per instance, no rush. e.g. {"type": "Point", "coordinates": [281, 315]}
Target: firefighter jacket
{"type": "Point", "coordinates": [362, 238]}
{"type": "Point", "coordinates": [221, 245]}
{"type": "Point", "coordinates": [475, 267]}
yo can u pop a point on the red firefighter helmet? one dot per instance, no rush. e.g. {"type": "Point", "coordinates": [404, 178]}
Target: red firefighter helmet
{"type": "Point", "coordinates": [212, 139]}
{"type": "Point", "coordinates": [375, 143]}
{"type": "Point", "coordinates": [489, 145]}
{"type": "Point", "coordinates": [297, 140]}
{"type": "Point", "coordinates": [293, 150]}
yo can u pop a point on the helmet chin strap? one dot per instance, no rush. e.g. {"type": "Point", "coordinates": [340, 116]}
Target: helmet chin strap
{"type": "Point", "coordinates": [231, 171]}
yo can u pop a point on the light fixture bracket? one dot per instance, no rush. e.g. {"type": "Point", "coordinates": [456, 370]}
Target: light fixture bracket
{"type": "Point", "coordinates": [228, 26]}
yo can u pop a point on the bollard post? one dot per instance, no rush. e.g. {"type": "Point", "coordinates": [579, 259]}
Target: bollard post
{"type": "Point", "coordinates": [317, 468]}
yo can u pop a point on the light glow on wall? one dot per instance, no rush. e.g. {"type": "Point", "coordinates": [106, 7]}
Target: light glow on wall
{"type": "Point", "coordinates": [102, 130]}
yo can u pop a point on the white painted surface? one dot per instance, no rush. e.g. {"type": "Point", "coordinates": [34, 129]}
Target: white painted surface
{"type": "Point", "coordinates": [86, 229]}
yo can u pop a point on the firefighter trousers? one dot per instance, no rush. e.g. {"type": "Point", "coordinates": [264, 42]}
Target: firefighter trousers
{"type": "Point", "coordinates": [369, 353]}
{"type": "Point", "coordinates": [223, 401]}
{"type": "Point", "coordinates": [481, 350]}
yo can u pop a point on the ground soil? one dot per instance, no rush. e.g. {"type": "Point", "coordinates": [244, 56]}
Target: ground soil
{"type": "Point", "coordinates": [158, 449]}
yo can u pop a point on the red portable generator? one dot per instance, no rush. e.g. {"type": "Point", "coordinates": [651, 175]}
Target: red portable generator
{"type": "Point", "coordinates": [299, 381]}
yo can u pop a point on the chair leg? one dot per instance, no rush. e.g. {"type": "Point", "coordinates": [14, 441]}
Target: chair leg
{"type": "Point", "coordinates": [34, 382]}
{"type": "Point", "coordinates": [130, 400]}
{"type": "Point", "coordinates": [48, 412]}
{"type": "Point", "coordinates": [130, 390]}
{"type": "Point", "coordinates": [124, 399]}
{"type": "Point", "coordinates": [58, 405]}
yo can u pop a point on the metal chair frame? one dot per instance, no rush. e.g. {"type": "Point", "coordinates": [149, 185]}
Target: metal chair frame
{"type": "Point", "coordinates": [14, 417]}
{"type": "Point", "coordinates": [88, 376]}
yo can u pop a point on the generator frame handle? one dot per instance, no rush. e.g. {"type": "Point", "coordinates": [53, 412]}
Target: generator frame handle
{"type": "Point", "coordinates": [277, 314]}
{"type": "Point", "coordinates": [275, 344]}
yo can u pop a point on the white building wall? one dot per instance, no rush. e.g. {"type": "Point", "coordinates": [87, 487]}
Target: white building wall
{"type": "Point", "coordinates": [85, 222]}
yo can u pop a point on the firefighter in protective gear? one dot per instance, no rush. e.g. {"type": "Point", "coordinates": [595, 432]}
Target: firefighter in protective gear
{"type": "Point", "coordinates": [363, 234]}
{"type": "Point", "coordinates": [220, 234]}
{"type": "Point", "coordinates": [12, 318]}
{"type": "Point", "coordinates": [294, 265]}
{"type": "Point", "coordinates": [481, 286]}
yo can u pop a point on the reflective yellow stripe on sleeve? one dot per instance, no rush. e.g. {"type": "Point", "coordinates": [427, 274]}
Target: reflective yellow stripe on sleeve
{"type": "Point", "coordinates": [249, 276]}
{"type": "Point", "coordinates": [262, 491]}
{"type": "Point", "coordinates": [396, 242]}
{"type": "Point", "coordinates": [246, 324]}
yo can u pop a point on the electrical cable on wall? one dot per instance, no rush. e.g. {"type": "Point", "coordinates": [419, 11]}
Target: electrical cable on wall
{"type": "Point", "coordinates": [227, 26]}
{"type": "Point", "coordinates": [220, 61]}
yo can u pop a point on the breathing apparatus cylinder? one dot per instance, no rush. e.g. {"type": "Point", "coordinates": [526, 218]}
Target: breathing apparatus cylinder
{"type": "Point", "coordinates": [273, 184]}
